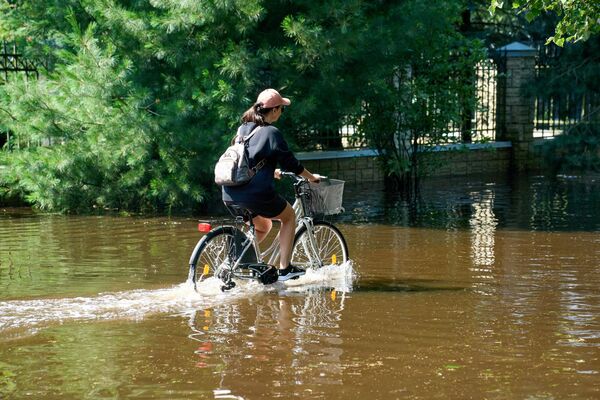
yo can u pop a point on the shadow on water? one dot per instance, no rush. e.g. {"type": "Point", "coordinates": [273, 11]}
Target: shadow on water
{"type": "Point", "coordinates": [403, 286]}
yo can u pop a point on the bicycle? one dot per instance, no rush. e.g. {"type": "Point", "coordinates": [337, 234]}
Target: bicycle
{"type": "Point", "coordinates": [231, 252]}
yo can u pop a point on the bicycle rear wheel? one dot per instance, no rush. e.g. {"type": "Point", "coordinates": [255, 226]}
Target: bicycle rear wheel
{"type": "Point", "coordinates": [331, 247]}
{"type": "Point", "coordinates": [218, 248]}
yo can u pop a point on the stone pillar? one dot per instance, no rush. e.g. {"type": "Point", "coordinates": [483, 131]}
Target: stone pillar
{"type": "Point", "coordinates": [515, 109]}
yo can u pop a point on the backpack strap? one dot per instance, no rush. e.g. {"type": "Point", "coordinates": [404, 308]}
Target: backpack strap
{"type": "Point", "coordinates": [245, 140]}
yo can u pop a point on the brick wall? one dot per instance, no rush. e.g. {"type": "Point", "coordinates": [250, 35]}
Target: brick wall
{"type": "Point", "coordinates": [349, 169]}
{"type": "Point", "coordinates": [470, 161]}
{"type": "Point", "coordinates": [515, 107]}
{"type": "Point", "coordinates": [364, 167]}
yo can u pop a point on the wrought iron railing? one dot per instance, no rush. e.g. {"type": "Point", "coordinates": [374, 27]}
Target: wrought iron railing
{"type": "Point", "coordinates": [555, 111]}
{"type": "Point", "coordinates": [478, 123]}
{"type": "Point", "coordinates": [13, 62]}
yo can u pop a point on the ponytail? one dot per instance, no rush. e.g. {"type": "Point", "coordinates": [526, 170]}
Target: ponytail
{"type": "Point", "coordinates": [256, 114]}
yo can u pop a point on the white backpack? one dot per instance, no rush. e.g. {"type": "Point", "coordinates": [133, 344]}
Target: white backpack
{"type": "Point", "coordinates": [233, 167]}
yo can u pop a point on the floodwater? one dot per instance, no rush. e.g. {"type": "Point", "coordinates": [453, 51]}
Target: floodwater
{"type": "Point", "coordinates": [486, 289]}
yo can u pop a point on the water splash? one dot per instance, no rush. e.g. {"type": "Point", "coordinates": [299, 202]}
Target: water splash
{"type": "Point", "coordinates": [32, 315]}
{"type": "Point", "coordinates": [338, 277]}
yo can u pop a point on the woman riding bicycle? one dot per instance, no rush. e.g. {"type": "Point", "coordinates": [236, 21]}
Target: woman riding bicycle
{"type": "Point", "coordinates": [259, 195]}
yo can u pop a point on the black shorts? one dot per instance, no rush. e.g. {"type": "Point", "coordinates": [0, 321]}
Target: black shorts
{"type": "Point", "coordinates": [267, 209]}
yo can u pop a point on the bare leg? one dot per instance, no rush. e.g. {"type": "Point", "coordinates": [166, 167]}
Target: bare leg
{"type": "Point", "coordinates": [286, 235]}
{"type": "Point", "coordinates": [263, 227]}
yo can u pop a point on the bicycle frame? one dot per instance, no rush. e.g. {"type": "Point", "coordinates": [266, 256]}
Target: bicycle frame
{"type": "Point", "coordinates": [272, 252]}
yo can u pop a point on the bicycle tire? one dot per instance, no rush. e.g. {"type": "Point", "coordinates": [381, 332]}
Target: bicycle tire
{"type": "Point", "coordinates": [332, 247]}
{"type": "Point", "coordinates": [212, 250]}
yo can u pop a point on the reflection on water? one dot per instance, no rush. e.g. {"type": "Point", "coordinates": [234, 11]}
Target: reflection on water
{"type": "Point", "coordinates": [297, 337]}
{"type": "Point", "coordinates": [530, 203]}
{"type": "Point", "coordinates": [480, 289]}
{"type": "Point", "coordinates": [483, 224]}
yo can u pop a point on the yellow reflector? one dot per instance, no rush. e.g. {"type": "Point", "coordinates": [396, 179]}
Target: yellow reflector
{"type": "Point", "coordinates": [207, 313]}
{"type": "Point", "coordinates": [333, 295]}
{"type": "Point", "coordinates": [334, 259]}
{"type": "Point", "coordinates": [206, 270]}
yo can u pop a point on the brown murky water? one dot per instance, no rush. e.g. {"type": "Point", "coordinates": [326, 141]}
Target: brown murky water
{"type": "Point", "coordinates": [486, 289]}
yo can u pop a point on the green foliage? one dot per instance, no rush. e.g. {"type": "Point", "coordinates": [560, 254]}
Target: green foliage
{"type": "Point", "coordinates": [579, 19]}
{"type": "Point", "coordinates": [140, 97]}
{"type": "Point", "coordinates": [578, 150]}
{"type": "Point", "coordinates": [570, 84]}
{"type": "Point", "coordinates": [105, 150]}
{"type": "Point", "coordinates": [136, 103]}
{"type": "Point", "coordinates": [420, 87]}
{"type": "Point", "coordinates": [571, 71]}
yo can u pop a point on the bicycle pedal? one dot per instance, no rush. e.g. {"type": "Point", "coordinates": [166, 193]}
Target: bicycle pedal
{"type": "Point", "coordinates": [228, 286]}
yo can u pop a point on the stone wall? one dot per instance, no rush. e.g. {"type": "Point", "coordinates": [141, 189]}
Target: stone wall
{"type": "Point", "coordinates": [363, 166]}
{"type": "Point", "coordinates": [350, 166]}
{"type": "Point", "coordinates": [470, 161]}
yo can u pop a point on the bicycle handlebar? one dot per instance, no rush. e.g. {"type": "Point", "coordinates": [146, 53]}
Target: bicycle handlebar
{"type": "Point", "coordinates": [293, 176]}
{"type": "Point", "coordinates": [299, 178]}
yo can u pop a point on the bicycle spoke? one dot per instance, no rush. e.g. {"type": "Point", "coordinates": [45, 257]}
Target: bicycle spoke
{"type": "Point", "coordinates": [330, 247]}
{"type": "Point", "coordinates": [214, 254]}
{"type": "Point", "coordinates": [219, 250]}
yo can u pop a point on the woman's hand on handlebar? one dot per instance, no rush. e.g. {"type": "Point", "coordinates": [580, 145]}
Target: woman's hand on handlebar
{"type": "Point", "coordinates": [316, 178]}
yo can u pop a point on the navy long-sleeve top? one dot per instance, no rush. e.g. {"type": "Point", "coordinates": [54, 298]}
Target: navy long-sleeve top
{"type": "Point", "coordinates": [267, 143]}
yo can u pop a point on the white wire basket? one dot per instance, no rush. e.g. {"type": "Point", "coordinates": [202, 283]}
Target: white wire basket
{"type": "Point", "coordinates": [325, 197]}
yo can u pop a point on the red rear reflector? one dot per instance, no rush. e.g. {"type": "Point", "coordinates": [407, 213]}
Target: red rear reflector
{"type": "Point", "coordinates": [204, 227]}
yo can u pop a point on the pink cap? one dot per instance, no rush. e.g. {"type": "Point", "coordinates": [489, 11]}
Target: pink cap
{"type": "Point", "coordinates": [271, 98]}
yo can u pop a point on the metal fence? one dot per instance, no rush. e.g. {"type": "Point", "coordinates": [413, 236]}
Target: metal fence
{"type": "Point", "coordinates": [559, 103]}
{"type": "Point", "coordinates": [556, 111]}
{"type": "Point", "coordinates": [554, 115]}
{"type": "Point", "coordinates": [477, 124]}
{"type": "Point", "coordinates": [13, 62]}
{"type": "Point", "coordinates": [345, 137]}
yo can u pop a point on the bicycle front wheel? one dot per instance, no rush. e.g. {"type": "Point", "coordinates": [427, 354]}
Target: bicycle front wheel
{"type": "Point", "coordinates": [330, 247]}
{"type": "Point", "coordinates": [218, 248]}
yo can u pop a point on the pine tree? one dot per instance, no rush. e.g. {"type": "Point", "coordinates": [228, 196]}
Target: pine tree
{"type": "Point", "coordinates": [141, 96]}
